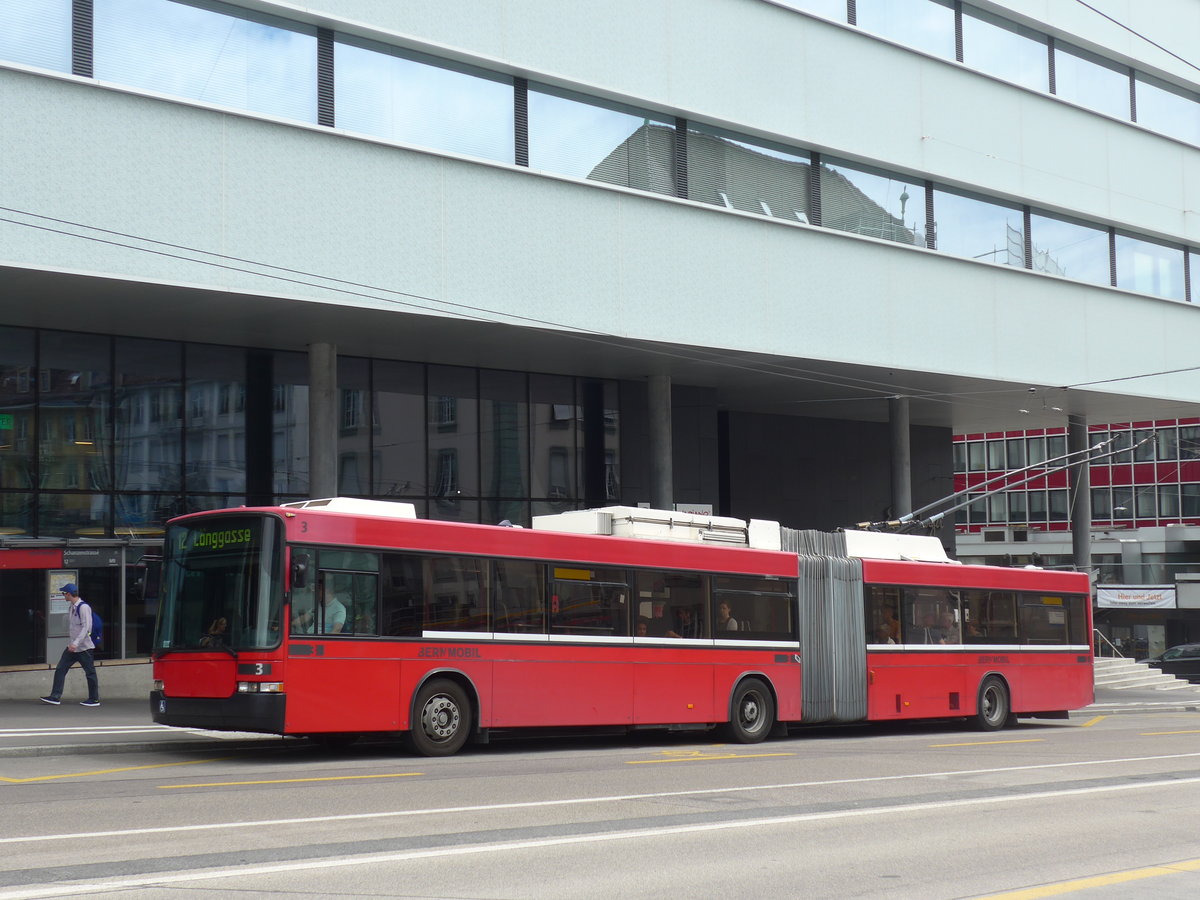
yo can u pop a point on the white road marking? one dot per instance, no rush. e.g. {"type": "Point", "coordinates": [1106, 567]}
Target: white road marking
{"type": "Point", "coordinates": [67, 889]}
{"type": "Point", "coordinates": [575, 801]}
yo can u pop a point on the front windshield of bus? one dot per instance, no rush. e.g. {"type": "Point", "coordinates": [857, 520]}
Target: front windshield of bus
{"type": "Point", "coordinates": [222, 585]}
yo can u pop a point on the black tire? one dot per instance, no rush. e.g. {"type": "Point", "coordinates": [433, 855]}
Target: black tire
{"type": "Point", "coordinates": [994, 709]}
{"type": "Point", "coordinates": [441, 719]}
{"type": "Point", "coordinates": [752, 712]}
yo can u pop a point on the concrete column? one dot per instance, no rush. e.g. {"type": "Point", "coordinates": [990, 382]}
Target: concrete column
{"type": "Point", "coordinates": [1081, 495]}
{"type": "Point", "coordinates": [901, 457]}
{"type": "Point", "coordinates": [662, 486]}
{"type": "Point", "coordinates": [322, 420]}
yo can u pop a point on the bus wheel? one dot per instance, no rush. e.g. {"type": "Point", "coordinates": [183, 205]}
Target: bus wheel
{"type": "Point", "coordinates": [993, 711]}
{"type": "Point", "coordinates": [753, 712]}
{"type": "Point", "coordinates": [443, 719]}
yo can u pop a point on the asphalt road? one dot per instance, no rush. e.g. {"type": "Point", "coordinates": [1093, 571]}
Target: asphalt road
{"type": "Point", "coordinates": [925, 811]}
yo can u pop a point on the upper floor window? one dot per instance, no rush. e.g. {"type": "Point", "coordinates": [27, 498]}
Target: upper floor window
{"type": "Point", "coordinates": [36, 33]}
{"type": "Point", "coordinates": [1004, 49]}
{"type": "Point", "coordinates": [1090, 81]}
{"type": "Point", "coordinates": [926, 25]}
{"type": "Point", "coordinates": [415, 99]}
{"type": "Point", "coordinates": [209, 52]}
{"type": "Point", "coordinates": [979, 229]}
{"type": "Point", "coordinates": [1168, 109]}
{"type": "Point", "coordinates": [1149, 267]}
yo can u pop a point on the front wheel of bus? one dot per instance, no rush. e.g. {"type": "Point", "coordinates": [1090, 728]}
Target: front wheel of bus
{"type": "Point", "coordinates": [752, 712]}
{"type": "Point", "coordinates": [443, 719]}
{"type": "Point", "coordinates": [993, 711]}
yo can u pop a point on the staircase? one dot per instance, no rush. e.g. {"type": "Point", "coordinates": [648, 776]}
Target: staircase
{"type": "Point", "coordinates": [1119, 674]}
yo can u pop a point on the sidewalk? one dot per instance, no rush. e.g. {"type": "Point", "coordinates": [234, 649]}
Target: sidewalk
{"type": "Point", "coordinates": [32, 728]}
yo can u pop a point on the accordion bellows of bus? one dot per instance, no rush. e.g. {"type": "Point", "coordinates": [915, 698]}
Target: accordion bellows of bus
{"type": "Point", "coordinates": [342, 617]}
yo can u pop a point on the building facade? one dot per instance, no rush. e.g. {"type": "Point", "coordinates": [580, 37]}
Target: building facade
{"type": "Point", "coordinates": [762, 256]}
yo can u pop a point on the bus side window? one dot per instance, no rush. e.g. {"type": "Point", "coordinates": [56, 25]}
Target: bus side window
{"type": "Point", "coordinates": [304, 593]}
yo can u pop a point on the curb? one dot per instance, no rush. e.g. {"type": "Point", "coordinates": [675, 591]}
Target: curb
{"type": "Point", "coordinates": [199, 745]}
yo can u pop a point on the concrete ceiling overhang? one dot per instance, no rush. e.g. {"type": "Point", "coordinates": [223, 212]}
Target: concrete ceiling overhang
{"type": "Point", "coordinates": [742, 381]}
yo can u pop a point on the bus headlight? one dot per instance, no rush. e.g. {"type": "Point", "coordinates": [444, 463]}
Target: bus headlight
{"type": "Point", "coordinates": [260, 687]}
{"type": "Point", "coordinates": [157, 685]}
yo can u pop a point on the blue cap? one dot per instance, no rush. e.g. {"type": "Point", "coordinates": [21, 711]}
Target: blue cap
{"type": "Point", "coordinates": [70, 588]}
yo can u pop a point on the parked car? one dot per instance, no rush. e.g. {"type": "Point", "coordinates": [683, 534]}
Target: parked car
{"type": "Point", "coordinates": [1182, 661]}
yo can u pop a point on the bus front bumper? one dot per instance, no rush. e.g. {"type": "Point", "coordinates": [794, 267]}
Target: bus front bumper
{"type": "Point", "coordinates": [261, 713]}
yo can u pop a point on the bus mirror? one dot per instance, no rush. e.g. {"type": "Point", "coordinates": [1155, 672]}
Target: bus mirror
{"type": "Point", "coordinates": [299, 571]}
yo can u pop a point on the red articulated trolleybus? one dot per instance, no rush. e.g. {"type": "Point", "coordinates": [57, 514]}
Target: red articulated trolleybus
{"type": "Point", "coordinates": [342, 617]}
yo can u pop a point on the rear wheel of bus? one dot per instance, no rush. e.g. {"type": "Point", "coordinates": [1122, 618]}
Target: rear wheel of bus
{"type": "Point", "coordinates": [441, 718]}
{"type": "Point", "coordinates": [752, 712]}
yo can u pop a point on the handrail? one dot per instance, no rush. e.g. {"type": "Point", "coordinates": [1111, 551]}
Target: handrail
{"type": "Point", "coordinates": [1096, 633]}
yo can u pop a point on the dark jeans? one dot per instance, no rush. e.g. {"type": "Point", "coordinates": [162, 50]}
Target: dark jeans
{"type": "Point", "coordinates": [68, 659]}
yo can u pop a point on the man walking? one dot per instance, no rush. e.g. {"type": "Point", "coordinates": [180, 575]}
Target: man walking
{"type": "Point", "coordinates": [78, 650]}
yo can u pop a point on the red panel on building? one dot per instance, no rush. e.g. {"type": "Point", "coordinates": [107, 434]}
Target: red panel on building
{"type": "Point", "coordinates": [34, 558]}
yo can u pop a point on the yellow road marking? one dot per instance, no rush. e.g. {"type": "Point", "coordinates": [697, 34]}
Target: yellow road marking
{"type": "Point", "coordinates": [706, 756]}
{"type": "Point", "coordinates": [989, 743]}
{"type": "Point", "coordinates": [1157, 733]}
{"type": "Point", "coordinates": [1092, 721]}
{"type": "Point", "coordinates": [1082, 884]}
{"type": "Point", "coordinates": [168, 787]}
{"type": "Point", "coordinates": [192, 762]}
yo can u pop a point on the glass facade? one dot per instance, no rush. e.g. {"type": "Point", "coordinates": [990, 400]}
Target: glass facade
{"type": "Point", "coordinates": [240, 59]}
{"type": "Point", "coordinates": [131, 432]}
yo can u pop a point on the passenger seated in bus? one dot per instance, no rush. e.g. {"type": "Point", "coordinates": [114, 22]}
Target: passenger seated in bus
{"type": "Point", "coordinates": [642, 628]}
{"type": "Point", "coordinates": [927, 632]}
{"type": "Point", "coordinates": [687, 624]}
{"type": "Point", "coordinates": [725, 619]}
{"type": "Point", "coordinates": [892, 623]}
{"type": "Point", "coordinates": [883, 634]}
{"type": "Point", "coordinates": [949, 629]}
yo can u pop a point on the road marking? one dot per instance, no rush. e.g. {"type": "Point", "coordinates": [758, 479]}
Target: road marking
{"type": "Point", "coordinates": [67, 889]}
{"type": "Point", "coordinates": [190, 762]}
{"type": "Point", "coordinates": [170, 787]}
{"type": "Point", "coordinates": [581, 801]}
{"type": "Point", "coordinates": [990, 743]}
{"type": "Point", "coordinates": [1159, 733]}
{"type": "Point", "coordinates": [1092, 721]}
{"type": "Point", "coordinates": [1082, 884]}
{"type": "Point", "coordinates": [696, 755]}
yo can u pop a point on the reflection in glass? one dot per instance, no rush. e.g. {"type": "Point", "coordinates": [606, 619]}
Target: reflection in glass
{"type": "Point", "coordinates": [616, 144]}
{"type": "Point", "coordinates": [144, 515]}
{"type": "Point", "coordinates": [1086, 79]}
{"type": "Point", "coordinates": [245, 61]}
{"type": "Point", "coordinates": [1168, 501]}
{"type": "Point", "coordinates": [1168, 110]}
{"type": "Point", "coordinates": [1194, 275]}
{"type": "Point", "coordinates": [16, 514]}
{"type": "Point", "coordinates": [410, 98]}
{"type": "Point", "coordinates": [754, 177]}
{"type": "Point", "coordinates": [1005, 49]}
{"type": "Point", "coordinates": [355, 426]}
{"type": "Point", "coordinates": [872, 202]}
{"type": "Point", "coordinates": [1069, 249]}
{"type": "Point", "coordinates": [975, 456]}
{"type": "Point", "coordinates": [1149, 267]}
{"type": "Point", "coordinates": [1189, 500]}
{"type": "Point", "coordinates": [36, 33]}
{"type": "Point", "coordinates": [979, 229]}
{"type": "Point", "coordinates": [18, 448]}
{"type": "Point", "coordinates": [215, 411]}
{"type": "Point", "coordinates": [453, 429]}
{"type": "Point", "coordinates": [149, 418]}
{"type": "Point", "coordinates": [75, 404]}
{"type": "Point", "coordinates": [399, 414]}
{"type": "Point", "coordinates": [1189, 442]}
{"type": "Point", "coordinates": [73, 515]}
{"type": "Point", "coordinates": [921, 24]}
{"type": "Point", "coordinates": [553, 453]}
{"type": "Point", "coordinates": [289, 402]}
{"type": "Point", "coordinates": [1059, 511]}
{"type": "Point", "coordinates": [1101, 503]}
{"type": "Point", "coordinates": [504, 434]}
